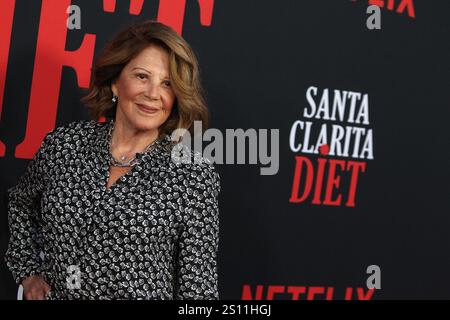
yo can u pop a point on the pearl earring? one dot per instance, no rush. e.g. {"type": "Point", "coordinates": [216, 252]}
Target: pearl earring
{"type": "Point", "coordinates": [114, 98]}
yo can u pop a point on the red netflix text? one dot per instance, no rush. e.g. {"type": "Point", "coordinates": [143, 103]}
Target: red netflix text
{"type": "Point", "coordinates": [272, 292]}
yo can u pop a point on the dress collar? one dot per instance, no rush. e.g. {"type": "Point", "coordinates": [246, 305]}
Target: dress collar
{"type": "Point", "coordinates": [161, 147]}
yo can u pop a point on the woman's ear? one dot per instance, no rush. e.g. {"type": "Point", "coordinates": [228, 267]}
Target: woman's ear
{"type": "Point", "coordinates": [114, 89]}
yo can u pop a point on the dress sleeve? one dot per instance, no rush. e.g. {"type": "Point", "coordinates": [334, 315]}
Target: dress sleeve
{"type": "Point", "coordinates": [22, 256]}
{"type": "Point", "coordinates": [196, 264]}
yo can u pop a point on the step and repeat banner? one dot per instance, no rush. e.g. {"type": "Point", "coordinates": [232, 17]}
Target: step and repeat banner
{"type": "Point", "coordinates": [334, 121]}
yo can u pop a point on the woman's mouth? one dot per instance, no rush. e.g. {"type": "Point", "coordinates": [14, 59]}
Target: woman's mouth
{"type": "Point", "coordinates": [147, 109]}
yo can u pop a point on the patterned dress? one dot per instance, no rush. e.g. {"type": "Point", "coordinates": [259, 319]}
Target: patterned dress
{"type": "Point", "coordinates": [152, 235]}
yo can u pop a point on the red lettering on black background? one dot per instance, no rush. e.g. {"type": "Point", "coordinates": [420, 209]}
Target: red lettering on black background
{"type": "Point", "coordinates": [51, 57]}
{"type": "Point", "coordinates": [305, 170]}
{"type": "Point", "coordinates": [6, 17]}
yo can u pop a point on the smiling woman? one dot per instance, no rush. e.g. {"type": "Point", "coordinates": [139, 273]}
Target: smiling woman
{"type": "Point", "coordinates": [145, 97]}
{"type": "Point", "coordinates": [149, 53]}
{"type": "Point", "coordinates": [105, 199]}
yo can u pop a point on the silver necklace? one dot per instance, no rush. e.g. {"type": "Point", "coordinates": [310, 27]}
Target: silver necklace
{"type": "Point", "coordinates": [122, 163]}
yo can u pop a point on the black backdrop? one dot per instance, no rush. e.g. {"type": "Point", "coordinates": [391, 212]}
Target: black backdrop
{"type": "Point", "coordinates": [258, 59]}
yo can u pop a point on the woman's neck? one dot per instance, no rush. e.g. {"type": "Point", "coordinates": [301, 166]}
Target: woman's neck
{"type": "Point", "coordinates": [128, 140]}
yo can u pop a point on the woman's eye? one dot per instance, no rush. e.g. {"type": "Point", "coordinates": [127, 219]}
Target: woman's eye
{"type": "Point", "coordinates": [142, 76]}
{"type": "Point", "coordinates": [167, 83]}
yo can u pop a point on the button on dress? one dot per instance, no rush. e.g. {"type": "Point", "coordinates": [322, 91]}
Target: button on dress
{"type": "Point", "coordinates": [152, 235]}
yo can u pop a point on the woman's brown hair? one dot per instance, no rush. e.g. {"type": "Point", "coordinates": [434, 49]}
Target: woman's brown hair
{"type": "Point", "coordinates": [189, 105]}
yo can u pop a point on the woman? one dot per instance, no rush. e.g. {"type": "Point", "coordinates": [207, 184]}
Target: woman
{"type": "Point", "coordinates": [102, 212]}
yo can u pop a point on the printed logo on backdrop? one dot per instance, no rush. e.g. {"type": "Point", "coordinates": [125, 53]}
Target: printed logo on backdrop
{"type": "Point", "coordinates": [332, 144]}
{"type": "Point", "coordinates": [399, 6]}
{"type": "Point", "coordinates": [302, 292]}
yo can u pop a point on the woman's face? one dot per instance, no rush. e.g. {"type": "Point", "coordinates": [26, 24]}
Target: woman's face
{"type": "Point", "coordinates": [145, 94]}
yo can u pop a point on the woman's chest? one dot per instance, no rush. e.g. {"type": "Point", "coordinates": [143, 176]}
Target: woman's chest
{"type": "Point", "coordinates": [115, 173]}
{"type": "Point", "coordinates": [79, 201]}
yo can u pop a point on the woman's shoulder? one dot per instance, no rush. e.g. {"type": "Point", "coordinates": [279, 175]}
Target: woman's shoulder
{"type": "Point", "coordinates": [195, 166]}
{"type": "Point", "coordinates": [74, 134]}
{"type": "Point", "coordinates": [78, 127]}
{"type": "Point", "coordinates": [74, 131]}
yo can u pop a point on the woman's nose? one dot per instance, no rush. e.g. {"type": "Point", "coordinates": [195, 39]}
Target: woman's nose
{"type": "Point", "coordinates": [152, 91]}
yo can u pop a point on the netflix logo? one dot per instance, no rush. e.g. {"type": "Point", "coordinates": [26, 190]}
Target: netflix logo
{"type": "Point", "coordinates": [274, 292]}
